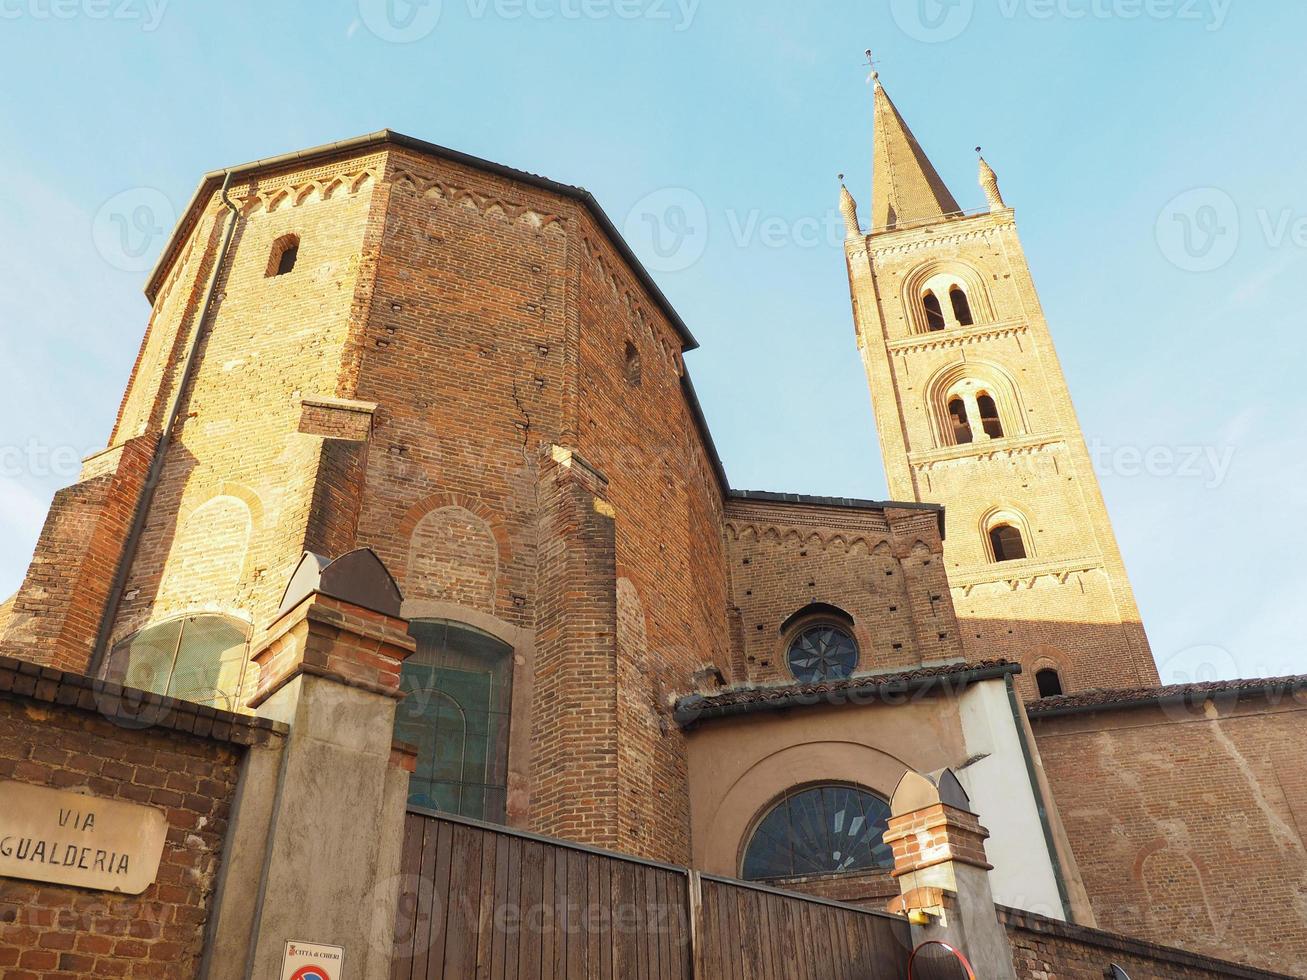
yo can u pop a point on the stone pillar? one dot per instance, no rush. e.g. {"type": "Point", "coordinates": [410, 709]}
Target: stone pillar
{"type": "Point", "coordinates": [939, 862]}
{"type": "Point", "coordinates": [317, 828]}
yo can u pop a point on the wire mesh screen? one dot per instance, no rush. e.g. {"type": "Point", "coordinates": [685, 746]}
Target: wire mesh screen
{"type": "Point", "coordinates": [198, 658]}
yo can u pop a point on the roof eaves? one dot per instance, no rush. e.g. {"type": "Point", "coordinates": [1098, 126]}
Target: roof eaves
{"type": "Point", "coordinates": [210, 181]}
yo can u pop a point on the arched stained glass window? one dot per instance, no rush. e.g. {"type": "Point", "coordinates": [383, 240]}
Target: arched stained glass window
{"type": "Point", "coordinates": [195, 658]}
{"type": "Point", "coordinates": [457, 692]}
{"type": "Point", "coordinates": [819, 830]}
{"type": "Point", "coordinates": [822, 653]}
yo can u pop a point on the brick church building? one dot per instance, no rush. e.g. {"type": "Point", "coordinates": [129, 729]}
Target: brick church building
{"type": "Point", "coordinates": [420, 425]}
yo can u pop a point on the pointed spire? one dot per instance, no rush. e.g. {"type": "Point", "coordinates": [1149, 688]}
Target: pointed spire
{"type": "Point", "coordinates": [989, 184]}
{"type": "Point", "coordinates": [906, 187]}
{"type": "Point", "coordinates": [849, 208]}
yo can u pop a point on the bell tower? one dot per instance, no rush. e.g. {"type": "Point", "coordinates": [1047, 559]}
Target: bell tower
{"type": "Point", "coordinates": [974, 413]}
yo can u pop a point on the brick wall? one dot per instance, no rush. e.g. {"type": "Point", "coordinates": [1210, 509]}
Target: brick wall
{"type": "Point", "coordinates": [884, 569]}
{"type": "Point", "coordinates": [272, 342]}
{"type": "Point", "coordinates": [54, 616]}
{"type": "Point", "coordinates": [1187, 821]}
{"type": "Point", "coordinates": [60, 732]}
{"type": "Point", "coordinates": [1046, 949]}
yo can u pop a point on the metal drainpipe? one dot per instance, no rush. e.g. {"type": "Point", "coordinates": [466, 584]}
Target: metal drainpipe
{"type": "Point", "coordinates": [99, 651]}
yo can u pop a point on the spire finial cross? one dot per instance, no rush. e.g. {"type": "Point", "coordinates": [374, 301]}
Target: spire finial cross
{"type": "Point", "coordinates": [872, 66]}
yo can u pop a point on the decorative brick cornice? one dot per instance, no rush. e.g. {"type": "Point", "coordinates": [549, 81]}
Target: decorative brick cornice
{"type": "Point", "coordinates": [958, 337]}
{"type": "Point", "coordinates": [949, 231]}
{"type": "Point", "coordinates": [434, 189]}
{"type": "Point", "coordinates": [985, 450]}
{"type": "Point", "coordinates": [1016, 574]}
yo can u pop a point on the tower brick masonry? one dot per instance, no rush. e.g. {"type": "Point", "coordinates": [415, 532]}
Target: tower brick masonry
{"type": "Point", "coordinates": [974, 413]}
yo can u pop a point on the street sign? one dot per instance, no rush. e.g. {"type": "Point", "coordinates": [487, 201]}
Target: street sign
{"type": "Point", "coordinates": [312, 961]}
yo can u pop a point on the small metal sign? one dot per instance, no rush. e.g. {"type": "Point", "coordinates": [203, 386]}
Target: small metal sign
{"type": "Point", "coordinates": [312, 961]}
{"type": "Point", "coordinates": [83, 841]}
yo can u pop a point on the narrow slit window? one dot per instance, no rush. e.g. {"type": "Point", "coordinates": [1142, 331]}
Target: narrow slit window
{"type": "Point", "coordinates": [989, 419]}
{"type": "Point", "coordinates": [961, 307]}
{"type": "Point", "coordinates": [957, 413]}
{"type": "Point", "coordinates": [1007, 543]}
{"type": "Point", "coordinates": [633, 371]}
{"type": "Point", "coordinates": [285, 253]}
{"type": "Point", "coordinates": [934, 312]}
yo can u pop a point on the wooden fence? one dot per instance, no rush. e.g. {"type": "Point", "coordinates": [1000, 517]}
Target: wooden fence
{"type": "Point", "coordinates": [482, 901]}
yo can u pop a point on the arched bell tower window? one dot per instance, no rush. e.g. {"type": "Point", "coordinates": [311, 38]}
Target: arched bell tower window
{"type": "Point", "coordinates": [195, 658]}
{"type": "Point", "coordinates": [1049, 683]}
{"type": "Point", "coordinates": [819, 830]}
{"type": "Point", "coordinates": [957, 413]}
{"type": "Point", "coordinates": [934, 313]}
{"type": "Point", "coordinates": [973, 401]}
{"type": "Point", "coordinates": [961, 308]}
{"type": "Point", "coordinates": [457, 690]}
{"type": "Point", "coordinates": [989, 419]}
{"type": "Point", "coordinates": [945, 296]}
{"type": "Point", "coordinates": [1007, 543]}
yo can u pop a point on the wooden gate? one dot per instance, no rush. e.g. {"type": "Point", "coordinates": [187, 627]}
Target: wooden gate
{"type": "Point", "coordinates": [483, 901]}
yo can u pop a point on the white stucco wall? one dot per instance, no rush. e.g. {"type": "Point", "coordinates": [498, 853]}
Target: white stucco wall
{"type": "Point", "coordinates": [1002, 796]}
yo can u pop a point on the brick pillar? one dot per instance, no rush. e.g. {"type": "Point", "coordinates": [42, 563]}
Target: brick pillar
{"type": "Point", "coordinates": [574, 771]}
{"type": "Point", "coordinates": [939, 862]}
{"type": "Point", "coordinates": [318, 826]}
{"type": "Point", "coordinates": [56, 612]}
{"type": "Point", "coordinates": [916, 543]}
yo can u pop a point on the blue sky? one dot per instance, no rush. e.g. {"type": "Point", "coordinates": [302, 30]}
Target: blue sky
{"type": "Point", "coordinates": [1117, 128]}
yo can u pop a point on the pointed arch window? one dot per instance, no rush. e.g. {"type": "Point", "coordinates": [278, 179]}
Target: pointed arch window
{"type": "Point", "coordinates": [1007, 543]}
{"type": "Point", "coordinates": [957, 413]}
{"type": "Point", "coordinates": [934, 312]}
{"type": "Point", "coordinates": [989, 419]}
{"type": "Point", "coordinates": [961, 307]}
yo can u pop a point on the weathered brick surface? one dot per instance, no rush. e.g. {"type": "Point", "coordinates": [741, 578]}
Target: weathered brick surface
{"type": "Point", "coordinates": [271, 343]}
{"type": "Point", "coordinates": [1045, 949]}
{"type": "Point", "coordinates": [54, 616]}
{"type": "Point", "coordinates": [1187, 822]}
{"type": "Point", "coordinates": [885, 569]}
{"type": "Point", "coordinates": [54, 930]}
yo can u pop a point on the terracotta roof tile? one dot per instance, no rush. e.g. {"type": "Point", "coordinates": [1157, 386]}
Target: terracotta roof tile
{"type": "Point", "coordinates": [1102, 699]}
{"type": "Point", "coordinates": [864, 689]}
